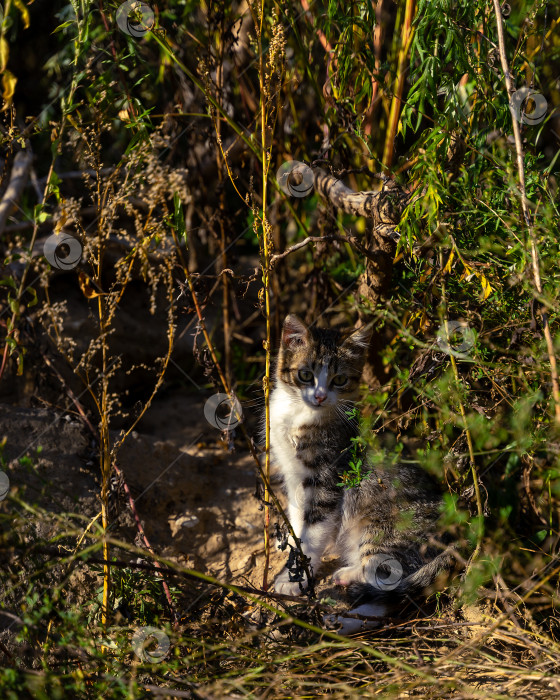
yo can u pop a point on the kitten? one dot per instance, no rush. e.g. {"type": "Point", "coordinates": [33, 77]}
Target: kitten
{"type": "Point", "coordinates": [380, 528]}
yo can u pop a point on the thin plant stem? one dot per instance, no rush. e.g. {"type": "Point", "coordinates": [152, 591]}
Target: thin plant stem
{"type": "Point", "coordinates": [227, 389]}
{"type": "Point", "coordinates": [265, 279]}
{"type": "Point", "coordinates": [140, 528]}
{"type": "Point", "coordinates": [220, 161]}
{"type": "Point", "coordinates": [258, 13]}
{"type": "Point", "coordinates": [104, 457]}
{"type": "Point", "coordinates": [472, 461]}
{"type": "Point", "coordinates": [510, 87]}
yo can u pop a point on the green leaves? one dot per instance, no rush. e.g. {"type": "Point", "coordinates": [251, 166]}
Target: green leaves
{"type": "Point", "coordinates": [357, 466]}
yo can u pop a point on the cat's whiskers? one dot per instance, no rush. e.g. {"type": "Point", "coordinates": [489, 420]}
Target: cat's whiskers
{"type": "Point", "coordinates": [253, 402]}
{"type": "Point", "coordinates": [348, 405]}
{"type": "Point", "coordinates": [348, 419]}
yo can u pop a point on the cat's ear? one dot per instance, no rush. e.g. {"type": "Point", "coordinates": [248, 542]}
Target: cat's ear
{"type": "Point", "coordinates": [359, 339]}
{"type": "Point", "coordinates": [294, 332]}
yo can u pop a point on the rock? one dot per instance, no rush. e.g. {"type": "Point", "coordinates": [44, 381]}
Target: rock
{"type": "Point", "coordinates": [176, 523]}
{"type": "Point", "coordinates": [215, 543]}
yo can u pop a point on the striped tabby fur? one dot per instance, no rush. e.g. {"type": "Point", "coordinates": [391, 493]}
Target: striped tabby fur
{"type": "Point", "coordinates": [382, 528]}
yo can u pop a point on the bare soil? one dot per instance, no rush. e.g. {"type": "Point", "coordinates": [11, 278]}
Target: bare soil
{"type": "Point", "coordinates": [196, 500]}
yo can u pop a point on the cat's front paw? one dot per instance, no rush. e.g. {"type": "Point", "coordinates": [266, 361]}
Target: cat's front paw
{"type": "Point", "coordinates": [360, 619]}
{"type": "Point", "coordinates": [347, 575]}
{"type": "Point", "coordinates": [283, 585]}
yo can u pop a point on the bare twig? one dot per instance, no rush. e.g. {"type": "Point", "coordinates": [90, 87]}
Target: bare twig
{"type": "Point", "coordinates": [322, 239]}
{"type": "Point", "coordinates": [320, 34]}
{"type": "Point", "coordinates": [157, 568]}
{"type": "Point", "coordinates": [78, 175]}
{"type": "Point", "coordinates": [378, 37]}
{"type": "Point", "coordinates": [302, 244]}
{"type": "Point", "coordinates": [132, 506]}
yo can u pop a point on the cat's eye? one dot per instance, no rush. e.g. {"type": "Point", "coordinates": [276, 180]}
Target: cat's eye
{"type": "Point", "coordinates": [340, 380]}
{"type": "Point", "coordinates": [305, 375]}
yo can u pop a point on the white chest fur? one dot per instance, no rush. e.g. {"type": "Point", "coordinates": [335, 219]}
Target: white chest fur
{"type": "Point", "coordinates": [287, 415]}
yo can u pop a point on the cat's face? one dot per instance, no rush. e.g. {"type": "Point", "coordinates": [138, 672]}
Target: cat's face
{"type": "Point", "coordinates": [320, 367]}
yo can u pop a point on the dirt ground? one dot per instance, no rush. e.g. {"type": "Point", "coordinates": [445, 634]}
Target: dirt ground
{"type": "Point", "coordinates": [196, 499]}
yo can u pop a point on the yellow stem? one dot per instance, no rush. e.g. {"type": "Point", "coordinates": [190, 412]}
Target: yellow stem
{"type": "Point", "coordinates": [474, 472]}
{"type": "Point", "coordinates": [406, 39]}
{"type": "Point", "coordinates": [265, 278]}
{"type": "Point", "coordinates": [104, 459]}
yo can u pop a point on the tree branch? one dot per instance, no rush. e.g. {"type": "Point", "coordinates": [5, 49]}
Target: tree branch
{"type": "Point", "coordinates": [342, 197]}
{"type": "Point", "coordinates": [18, 178]}
{"type": "Point", "coordinates": [383, 209]}
{"type": "Point", "coordinates": [352, 240]}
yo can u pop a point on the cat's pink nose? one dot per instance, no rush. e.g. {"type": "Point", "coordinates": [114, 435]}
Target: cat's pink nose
{"type": "Point", "coordinates": [320, 398]}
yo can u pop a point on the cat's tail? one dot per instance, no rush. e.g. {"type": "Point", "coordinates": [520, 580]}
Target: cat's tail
{"type": "Point", "coordinates": [384, 589]}
{"type": "Point", "coordinates": [385, 582]}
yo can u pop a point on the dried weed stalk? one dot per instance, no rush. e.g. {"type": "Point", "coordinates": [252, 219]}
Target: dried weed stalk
{"type": "Point", "coordinates": [131, 229]}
